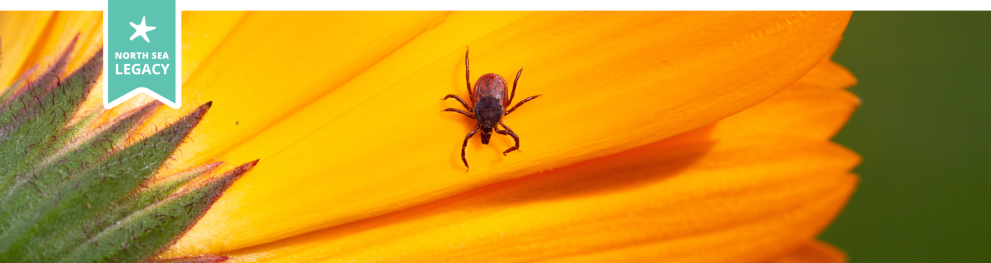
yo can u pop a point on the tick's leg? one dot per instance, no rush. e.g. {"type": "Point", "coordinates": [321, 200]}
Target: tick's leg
{"type": "Point", "coordinates": [509, 132]}
{"type": "Point", "coordinates": [463, 103]}
{"type": "Point", "coordinates": [511, 95]}
{"type": "Point", "coordinates": [460, 111]}
{"type": "Point", "coordinates": [467, 75]}
{"type": "Point", "coordinates": [521, 103]}
{"type": "Point", "coordinates": [465, 145]}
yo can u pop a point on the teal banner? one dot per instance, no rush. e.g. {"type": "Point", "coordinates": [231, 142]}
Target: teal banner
{"type": "Point", "coordinates": [142, 55]}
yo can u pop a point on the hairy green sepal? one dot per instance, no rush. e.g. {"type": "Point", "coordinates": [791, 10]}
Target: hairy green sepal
{"type": "Point", "coordinates": [75, 191]}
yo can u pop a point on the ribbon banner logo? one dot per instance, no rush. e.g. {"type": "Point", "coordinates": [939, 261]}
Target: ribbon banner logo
{"type": "Point", "coordinates": [142, 56]}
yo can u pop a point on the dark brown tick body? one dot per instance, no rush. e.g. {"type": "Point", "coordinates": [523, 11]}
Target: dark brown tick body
{"type": "Point", "coordinates": [490, 100]}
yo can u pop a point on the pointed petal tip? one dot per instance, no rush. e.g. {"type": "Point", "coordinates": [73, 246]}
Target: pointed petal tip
{"type": "Point", "coordinates": [208, 104]}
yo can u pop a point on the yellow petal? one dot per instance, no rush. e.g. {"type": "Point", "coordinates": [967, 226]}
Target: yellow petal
{"type": "Point", "coordinates": [813, 252]}
{"type": "Point", "coordinates": [202, 33]}
{"type": "Point", "coordinates": [62, 28]}
{"type": "Point", "coordinates": [19, 31]}
{"type": "Point", "coordinates": [207, 30]}
{"type": "Point", "coordinates": [273, 63]}
{"type": "Point", "coordinates": [611, 82]}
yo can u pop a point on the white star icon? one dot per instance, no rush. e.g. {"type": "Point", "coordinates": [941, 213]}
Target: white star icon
{"type": "Point", "coordinates": [141, 30]}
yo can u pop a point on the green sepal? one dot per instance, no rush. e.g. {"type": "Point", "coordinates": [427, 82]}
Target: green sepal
{"type": "Point", "coordinates": [47, 127]}
{"type": "Point", "coordinates": [73, 192]}
{"type": "Point", "coordinates": [22, 100]}
{"type": "Point", "coordinates": [158, 190]}
{"type": "Point", "coordinates": [139, 199]}
{"type": "Point", "coordinates": [27, 134]}
{"type": "Point", "coordinates": [33, 187]}
{"type": "Point", "coordinates": [145, 232]}
{"type": "Point", "coordinates": [39, 233]}
{"type": "Point", "coordinates": [15, 86]}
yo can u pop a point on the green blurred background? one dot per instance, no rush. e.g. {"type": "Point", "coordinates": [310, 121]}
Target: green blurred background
{"type": "Point", "coordinates": [924, 132]}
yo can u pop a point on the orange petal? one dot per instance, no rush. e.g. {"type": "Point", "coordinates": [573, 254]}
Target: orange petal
{"type": "Point", "coordinates": [373, 147]}
{"type": "Point", "coordinates": [829, 74]}
{"type": "Point", "coordinates": [744, 200]}
{"type": "Point", "coordinates": [801, 111]}
{"type": "Point", "coordinates": [815, 107]}
{"type": "Point", "coordinates": [813, 252]}
{"type": "Point", "coordinates": [19, 31]}
{"type": "Point", "coordinates": [34, 39]}
{"type": "Point", "coordinates": [59, 31]}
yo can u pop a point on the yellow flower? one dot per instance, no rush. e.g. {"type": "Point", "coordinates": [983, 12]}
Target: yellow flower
{"type": "Point", "coordinates": [660, 136]}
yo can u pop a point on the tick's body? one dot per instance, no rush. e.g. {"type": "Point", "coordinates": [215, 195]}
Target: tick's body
{"type": "Point", "coordinates": [490, 98]}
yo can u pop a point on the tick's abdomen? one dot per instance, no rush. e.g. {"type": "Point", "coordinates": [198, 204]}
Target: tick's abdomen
{"type": "Point", "coordinates": [488, 112]}
{"type": "Point", "coordinates": [491, 85]}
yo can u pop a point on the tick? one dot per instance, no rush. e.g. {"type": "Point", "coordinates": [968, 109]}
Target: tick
{"type": "Point", "coordinates": [490, 100]}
